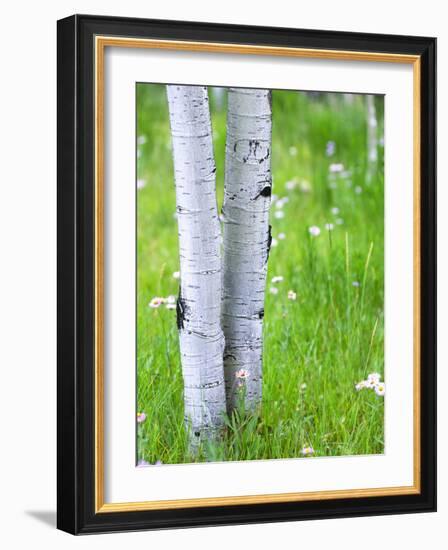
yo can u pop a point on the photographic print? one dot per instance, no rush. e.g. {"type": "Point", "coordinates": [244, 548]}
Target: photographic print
{"type": "Point", "coordinates": [260, 274]}
{"type": "Point", "coordinates": [246, 274]}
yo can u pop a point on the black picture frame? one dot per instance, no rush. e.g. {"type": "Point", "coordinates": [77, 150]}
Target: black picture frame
{"type": "Point", "coordinates": [76, 301]}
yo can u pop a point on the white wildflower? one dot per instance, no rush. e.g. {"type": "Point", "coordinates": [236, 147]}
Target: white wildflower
{"type": "Point", "coordinates": [336, 167]}
{"type": "Point", "coordinates": [273, 290]}
{"type": "Point", "coordinates": [307, 451]}
{"type": "Point", "coordinates": [380, 389]}
{"type": "Point", "coordinates": [241, 374]}
{"type": "Point", "coordinates": [335, 210]}
{"type": "Point", "coordinates": [281, 236]}
{"type": "Point", "coordinates": [314, 230]}
{"type": "Point", "coordinates": [176, 275]}
{"type": "Point", "coordinates": [292, 295]}
{"type": "Point", "coordinates": [374, 377]}
{"type": "Point", "coordinates": [329, 226]}
{"type": "Point", "coordinates": [277, 279]}
{"type": "Point", "coordinates": [157, 301]}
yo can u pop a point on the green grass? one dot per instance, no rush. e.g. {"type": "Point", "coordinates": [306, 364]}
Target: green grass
{"type": "Point", "coordinates": [329, 338]}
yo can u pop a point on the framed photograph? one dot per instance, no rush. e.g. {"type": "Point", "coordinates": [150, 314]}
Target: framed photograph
{"type": "Point", "coordinates": [246, 274]}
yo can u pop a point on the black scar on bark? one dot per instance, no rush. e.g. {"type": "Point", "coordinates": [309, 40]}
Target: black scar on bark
{"type": "Point", "coordinates": [265, 192]}
{"type": "Point", "coordinates": [253, 147]}
{"type": "Point", "coordinates": [269, 242]}
{"type": "Point", "coordinates": [180, 311]}
{"type": "Point", "coordinates": [261, 313]}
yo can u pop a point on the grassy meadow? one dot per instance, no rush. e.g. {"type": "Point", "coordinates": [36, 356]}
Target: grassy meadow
{"type": "Point", "coordinates": [328, 245]}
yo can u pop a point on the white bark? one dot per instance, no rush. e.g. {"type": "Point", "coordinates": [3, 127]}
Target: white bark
{"type": "Point", "coordinates": [247, 198]}
{"type": "Point", "coordinates": [199, 307]}
{"type": "Point", "coordinates": [372, 138]}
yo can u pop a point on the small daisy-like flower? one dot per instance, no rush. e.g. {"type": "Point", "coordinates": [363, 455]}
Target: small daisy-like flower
{"type": "Point", "coordinates": [330, 148]}
{"type": "Point", "coordinates": [336, 167]}
{"type": "Point", "coordinates": [292, 295]}
{"type": "Point", "coordinates": [156, 302]}
{"type": "Point", "coordinates": [141, 417]}
{"type": "Point", "coordinates": [335, 210]}
{"type": "Point", "coordinates": [339, 221]}
{"type": "Point", "coordinates": [356, 283]}
{"type": "Point", "coordinates": [374, 377]}
{"type": "Point", "coordinates": [314, 230]}
{"type": "Point", "coordinates": [141, 183]}
{"type": "Point", "coordinates": [170, 302]}
{"type": "Point", "coordinates": [329, 226]}
{"type": "Point", "coordinates": [358, 190]}
{"type": "Point", "coordinates": [274, 242]}
{"type": "Point", "coordinates": [307, 451]}
{"type": "Point", "coordinates": [281, 202]}
{"type": "Point", "coordinates": [273, 290]}
{"type": "Point", "coordinates": [291, 184]}
{"type": "Point", "coordinates": [281, 236]}
{"type": "Point", "coordinates": [370, 384]}
{"type": "Point", "coordinates": [303, 386]}
{"type": "Point", "coordinates": [141, 140]}
{"type": "Point", "coordinates": [142, 463]}
{"type": "Point", "coordinates": [361, 385]}
{"type": "Point", "coordinates": [293, 151]}
{"type": "Point", "coordinates": [380, 389]}
{"type": "Point", "coordinates": [277, 279]}
{"type": "Point", "coordinates": [241, 374]}
{"type": "Point", "coordinates": [176, 275]}
{"type": "Point", "coordinates": [279, 214]}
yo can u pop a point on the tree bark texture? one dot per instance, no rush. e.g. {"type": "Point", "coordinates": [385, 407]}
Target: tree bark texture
{"type": "Point", "coordinates": [199, 303]}
{"type": "Point", "coordinates": [247, 236]}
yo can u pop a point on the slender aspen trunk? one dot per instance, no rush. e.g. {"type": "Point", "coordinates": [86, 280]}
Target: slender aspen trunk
{"type": "Point", "coordinates": [247, 236]}
{"type": "Point", "coordinates": [199, 306]}
{"type": "Point", "coordinates": [372, 138]}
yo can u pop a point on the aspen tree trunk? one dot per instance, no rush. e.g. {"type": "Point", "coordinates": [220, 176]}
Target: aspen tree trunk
{"type": "Point", "coordinates": [247, 236]}
{"type": "Point", "coordinates": [372, 138]}
{"type": "Point", "coordinates": [199, 306]}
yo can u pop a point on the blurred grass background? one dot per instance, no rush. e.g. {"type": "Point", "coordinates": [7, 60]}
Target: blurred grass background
{"type": "Point", "coordinates": [316, 347]}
